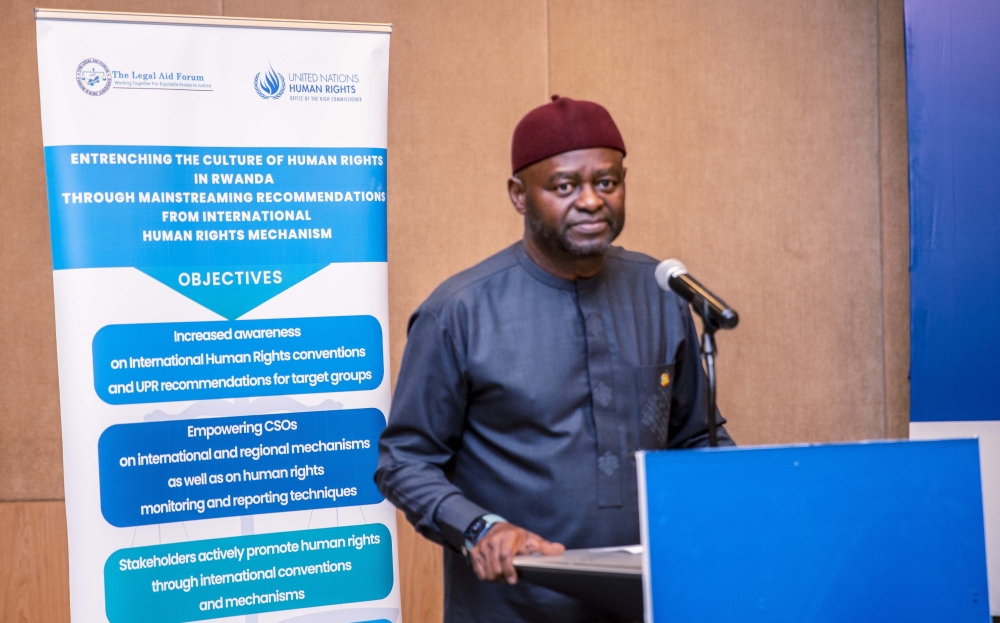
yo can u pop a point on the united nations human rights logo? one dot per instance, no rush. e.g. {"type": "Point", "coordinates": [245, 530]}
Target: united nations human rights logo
{"type": "Point", "coordinates": [93, 76]}
{"type": "Point", "coordinates": [271, 86]}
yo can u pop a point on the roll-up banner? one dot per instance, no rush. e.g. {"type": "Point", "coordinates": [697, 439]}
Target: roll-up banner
{"type": "Point", "coordinates": [953, 101]}
{"type": "Point", "coordinates": [217, 204]}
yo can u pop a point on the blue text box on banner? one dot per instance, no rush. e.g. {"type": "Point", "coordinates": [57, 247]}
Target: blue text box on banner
{"type": "Point", "coordinates": [139, 363]}
{"type": "Point", "coordinates": [161, 472]}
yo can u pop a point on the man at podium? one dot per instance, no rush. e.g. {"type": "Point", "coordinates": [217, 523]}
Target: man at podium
{"type": "Point", "coordinates": [530, 380]}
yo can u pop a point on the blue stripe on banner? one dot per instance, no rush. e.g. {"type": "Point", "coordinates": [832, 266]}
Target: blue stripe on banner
{"type": "Point", "coordinates": [237, 215]}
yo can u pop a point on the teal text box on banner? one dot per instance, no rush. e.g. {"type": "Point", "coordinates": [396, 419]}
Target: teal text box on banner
{"type": "Point", "coordinates": [215, 578]}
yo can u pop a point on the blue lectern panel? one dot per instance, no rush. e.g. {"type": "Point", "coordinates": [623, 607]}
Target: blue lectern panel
{"type": "Point", "coordinates": [887, 531]}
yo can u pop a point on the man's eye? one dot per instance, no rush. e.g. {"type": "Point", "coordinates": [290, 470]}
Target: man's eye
{"type": "Point", "coordinates": [606, 184]}
{"type": "Point", "coordinates": [565, 187]}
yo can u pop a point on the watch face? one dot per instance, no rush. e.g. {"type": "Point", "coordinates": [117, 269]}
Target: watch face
{"type": "Point", "coordinates": [477, 526]}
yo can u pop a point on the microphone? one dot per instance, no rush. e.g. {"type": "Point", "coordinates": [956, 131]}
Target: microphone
{"type": "Point", "coordinates": [673, 275]}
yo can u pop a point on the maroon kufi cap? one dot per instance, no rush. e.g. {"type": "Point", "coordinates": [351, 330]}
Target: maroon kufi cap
{"type": "Point", "coordinates": [562, 125]}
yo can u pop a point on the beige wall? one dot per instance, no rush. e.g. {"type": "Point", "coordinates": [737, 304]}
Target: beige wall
{"type": "Point", "coordinates": [767, 149]}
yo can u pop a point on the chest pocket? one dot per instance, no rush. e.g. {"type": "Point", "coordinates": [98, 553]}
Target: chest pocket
{"type": "Point", "coordinates": [653, 387]}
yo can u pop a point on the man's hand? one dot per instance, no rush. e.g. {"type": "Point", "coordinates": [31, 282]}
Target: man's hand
{"type": "Point", "coordinates": [493, 556]}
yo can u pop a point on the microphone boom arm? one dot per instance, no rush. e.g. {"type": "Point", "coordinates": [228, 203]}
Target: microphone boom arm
{"type": "Point", "coordinates": [712, 309]}
{"type": "Point", "coordinates": [715, 314]}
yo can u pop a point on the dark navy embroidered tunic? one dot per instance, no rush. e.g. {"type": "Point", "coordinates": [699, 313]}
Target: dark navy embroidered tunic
{"type": "Point", "coordinates": [527, 395]}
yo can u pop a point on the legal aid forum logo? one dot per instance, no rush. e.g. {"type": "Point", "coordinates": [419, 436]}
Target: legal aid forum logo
{"type": "Point", "coordinates": [93, 76]}
{"type": "Point", "coordinates": [271, 85]}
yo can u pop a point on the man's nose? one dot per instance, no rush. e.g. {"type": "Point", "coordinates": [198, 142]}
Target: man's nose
{"type": "Point", "coordinates": [588, 200]}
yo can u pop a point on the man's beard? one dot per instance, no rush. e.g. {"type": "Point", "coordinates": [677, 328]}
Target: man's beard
{"type": "Point", "coordinates": [557, 238]}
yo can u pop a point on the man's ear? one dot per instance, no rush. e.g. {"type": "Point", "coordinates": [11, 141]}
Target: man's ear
{"type": "Point", "coordinates": [517, 191]}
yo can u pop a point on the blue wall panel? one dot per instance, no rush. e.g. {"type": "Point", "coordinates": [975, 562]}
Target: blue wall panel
{"type": "Point", "coordinates": [953, 98]}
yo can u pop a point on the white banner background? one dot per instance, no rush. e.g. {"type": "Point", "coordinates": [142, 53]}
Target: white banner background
{"type": "Point", "coordinates": [230, 115]}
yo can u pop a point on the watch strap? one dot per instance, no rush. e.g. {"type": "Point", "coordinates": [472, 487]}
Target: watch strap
{"type": "Point", "coordinates": [478, 528]}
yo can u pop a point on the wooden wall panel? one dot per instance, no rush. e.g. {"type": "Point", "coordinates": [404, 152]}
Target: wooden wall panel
{"type": "Point", "coordinates": [34, 571]}
{"type": "Point", "coordinates": [894, 173]}
{"type": "Point", "coordinates": [30, 454]}
{"type": "Point", "coordinates": [329, 10]}
{"type": "Point", "coordinates": [753, 142]}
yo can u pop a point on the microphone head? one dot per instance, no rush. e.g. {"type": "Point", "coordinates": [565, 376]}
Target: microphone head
{"type": "Point", "coordinates": [667, 269]}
